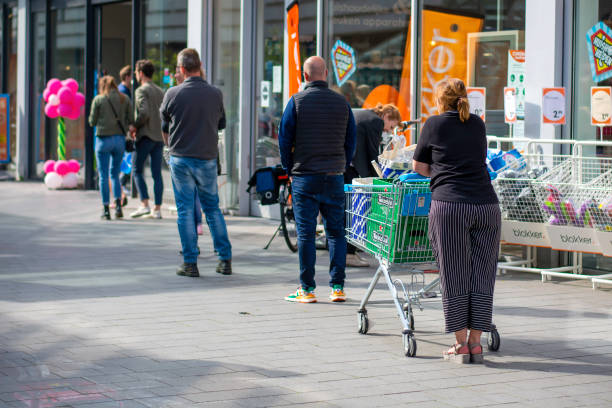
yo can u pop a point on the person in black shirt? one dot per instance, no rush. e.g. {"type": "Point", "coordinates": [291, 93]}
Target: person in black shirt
{"type": "Point", "coordinates": [464, 218]}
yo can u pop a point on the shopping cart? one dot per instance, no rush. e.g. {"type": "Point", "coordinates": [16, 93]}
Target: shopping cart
{"type": "Point", "coordinates": [389, 220]}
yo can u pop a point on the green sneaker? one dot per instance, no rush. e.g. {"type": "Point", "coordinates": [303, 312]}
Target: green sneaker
{"type": "Point", "coordinates": [302, 296]}
{"type": "Point", "coordinates": [337, 294]}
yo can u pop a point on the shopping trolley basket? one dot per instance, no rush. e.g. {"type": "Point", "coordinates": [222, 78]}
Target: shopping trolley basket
{"type": "Point", "coordinates": [389, 220]}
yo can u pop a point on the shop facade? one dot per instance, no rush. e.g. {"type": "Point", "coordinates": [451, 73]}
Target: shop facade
{"type": "Point", "coordinates": [392, 50]}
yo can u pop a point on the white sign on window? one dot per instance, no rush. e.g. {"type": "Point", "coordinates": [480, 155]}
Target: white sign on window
{"type": "Point", "coordinates": [509, 105]}
{"type": "Point", "coordinates": [478, 101]}
{"type": "Point", "coordinates": [553, 105]}
{"type": "Point", "coordinates": [265, 94]}
{"type": "Point", "coordinates": [277, 79]}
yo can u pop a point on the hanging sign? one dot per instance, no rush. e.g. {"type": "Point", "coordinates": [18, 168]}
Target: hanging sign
{"type": "Point", "coordinates": [601, 105]}
{"type": "Point", "coordinates": [510, 105]}
{"type": "Point", "coordinates": [5, 141]}
{"type": "Point", "coordinates": [553, 106]}
{"type": "Point", "coordinates": [478, 101]}
{"type": "Point", "coordinates": [293, 36]}
{"type": "Point", "coordinates": [599, 45]}
{"type": "Point", "coordinates": [343, 61]}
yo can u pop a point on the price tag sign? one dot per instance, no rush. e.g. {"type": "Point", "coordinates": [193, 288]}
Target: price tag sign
{"type": "Point", "coordinates": [601, 105]}
{"type": "Point", "coordinates": [510, 105]}
{"type": "Point", "coordinates": [478, 100]}
{"type": "Point", "coordinates": [553, 106]}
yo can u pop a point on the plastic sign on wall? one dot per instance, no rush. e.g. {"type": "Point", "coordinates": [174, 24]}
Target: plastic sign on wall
{"type": "Point", "coordinates": [601, 105]}
{"type": "Point", "coordinates": [553, 106]}
{"type": "Point", "coordinates": [478, 101]}
{"type": "Point", "coordinates": [510, 105]}
{"type": "Point", "coordinates": [5, 152]}
{"type": "Point", "coordinates": [343, 61]}
{"type": "Point", "coordinates": [599, 44]}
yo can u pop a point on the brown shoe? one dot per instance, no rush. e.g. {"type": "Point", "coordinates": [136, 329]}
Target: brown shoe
{"type": "Point", "coordinates": [458, 353]}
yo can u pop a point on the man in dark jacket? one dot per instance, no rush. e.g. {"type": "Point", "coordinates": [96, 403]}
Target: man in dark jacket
{"type": "Point", "coordinates": [192, 114]}
{"type": "Point", "coordinates": [317, 142]}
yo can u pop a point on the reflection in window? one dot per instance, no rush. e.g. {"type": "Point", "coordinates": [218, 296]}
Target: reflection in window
{"type": "Point", "coordinates": [38, 85]}
{"type": "Point", "coordinates": [68, 61]}
{"type": "Point", "coordinates": [164, 36]}
{"type": "Point", "coordinates": [11, 87]}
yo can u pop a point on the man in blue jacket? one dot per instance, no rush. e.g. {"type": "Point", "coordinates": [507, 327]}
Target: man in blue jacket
{"type": "Point", "coordinates": [317, 141]}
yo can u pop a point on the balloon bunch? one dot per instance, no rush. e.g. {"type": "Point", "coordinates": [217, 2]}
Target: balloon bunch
{"type": "Point", "coordinates": [61, 173]}
{"type": "Point", "coordinates": [63, 99]}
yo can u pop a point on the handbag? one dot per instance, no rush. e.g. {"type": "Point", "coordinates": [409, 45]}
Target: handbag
{"type": "Point", "coordinates": [129, 142]}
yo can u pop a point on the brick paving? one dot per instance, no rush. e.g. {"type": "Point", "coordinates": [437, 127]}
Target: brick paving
{"type": "Point", "coordinates": [92, 315]}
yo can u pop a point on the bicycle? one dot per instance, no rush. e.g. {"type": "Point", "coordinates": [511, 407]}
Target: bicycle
{"type": "Point", "coordinates": [287, 218]}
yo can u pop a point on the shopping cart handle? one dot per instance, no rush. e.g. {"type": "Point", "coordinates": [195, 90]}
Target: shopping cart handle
{"type": "Point", "coordinates": [412, 177]}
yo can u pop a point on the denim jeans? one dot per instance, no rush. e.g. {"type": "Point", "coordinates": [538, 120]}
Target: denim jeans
{"type": "Point", "coordinates": [188, 175]}
{"type": "Point", "coordinates": [109, 153]}
{"type": "Point", "coordinates": [146, 147]}
{"type": "Point", "coordinates": [311, 194]}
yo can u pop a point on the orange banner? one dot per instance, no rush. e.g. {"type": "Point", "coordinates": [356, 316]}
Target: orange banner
{"type": "Point", "coordinates": [444, 55]}
{"type": "Point", "coordinates": [293, 43]}
{"type": "Point", "coordinates": [4, 129]}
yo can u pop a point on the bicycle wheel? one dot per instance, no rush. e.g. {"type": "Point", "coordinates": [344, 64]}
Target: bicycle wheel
{"type": "Point", "coordinates": [287, 219]}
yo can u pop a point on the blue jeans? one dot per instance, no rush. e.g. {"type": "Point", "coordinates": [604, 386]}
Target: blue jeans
{"type": "Point", "coordinates": [311, 194]}
{"type": "Point", "coordinates": [189, 175]}
{"type": "Point", "coordinates": [144, 148]}
{"type": "Point", "coordinates": [109, 153]}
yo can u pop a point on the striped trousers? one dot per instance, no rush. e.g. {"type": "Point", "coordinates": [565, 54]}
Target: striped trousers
{"type": "Point", "coordinates": [465, 241]}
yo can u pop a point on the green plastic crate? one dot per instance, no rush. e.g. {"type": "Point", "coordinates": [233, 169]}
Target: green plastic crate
{"type": "Point", "coordinates": [402, 241]}
{"type": "Point", "coordinates": [392, 200]}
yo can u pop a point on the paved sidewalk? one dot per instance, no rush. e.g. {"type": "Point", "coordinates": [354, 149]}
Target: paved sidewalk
{"type": "Point", "coordinates": [92, 315]}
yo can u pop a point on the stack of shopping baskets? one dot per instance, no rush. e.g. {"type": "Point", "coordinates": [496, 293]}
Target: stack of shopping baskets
{"type": "Point", "coordinates": [389, 220]}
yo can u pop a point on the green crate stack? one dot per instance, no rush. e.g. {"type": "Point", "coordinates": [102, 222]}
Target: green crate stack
{"type": "Point", "coordinates": [401, 241]}
{"type": "Point", "coordinates": [388, 199]}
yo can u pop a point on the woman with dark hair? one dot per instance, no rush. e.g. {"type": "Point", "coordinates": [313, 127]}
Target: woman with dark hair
{"type": "Point", "coordinates": [111, 114]}
{"type": "Point", "coordinates": [464, 218]}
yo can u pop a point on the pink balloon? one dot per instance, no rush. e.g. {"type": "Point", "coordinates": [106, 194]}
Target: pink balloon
{"type": "Point", "coordinates": [73, 166]}
{"type": "Point", "coordinates": [54, 85]}
{"type": "Point", "coordinates": [46, 94]}
{"type": "Point", "coordinates": [61, 167]}
{"type": "Point", "coordinates": [49, 166]}
{"type": "Point", "coordinates": [51, 111]}
{"type": "Point", "coordinates": [79, 99]}
{"type": "Point", "coordinates": [75, 114]}
{"type": "Point", "coordinates": [72, 84]}
{"type": "Point", "coordinates": [64, 110]}
{"type": "Point", "coordinates": [65, 95]}
{"type": "Point", "coordinates": [54, 100]}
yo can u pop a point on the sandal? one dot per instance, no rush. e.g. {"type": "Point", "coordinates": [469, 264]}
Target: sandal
{"type": "Point", "coordinates": [458, 353]}
{"type": "Point", "coordinates": [476, 356]}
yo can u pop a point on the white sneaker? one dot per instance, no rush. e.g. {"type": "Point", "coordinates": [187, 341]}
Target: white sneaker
{"type": "Point", "coordinates": [352, 260]}
{"type": "Point", "coordinates": [156, 215]}
{"type": "Point", "coordinates": [140, 212]}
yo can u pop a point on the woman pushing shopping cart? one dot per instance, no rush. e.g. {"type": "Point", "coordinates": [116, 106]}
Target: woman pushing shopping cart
{"type": "Point", "coordinates": [457, 225]}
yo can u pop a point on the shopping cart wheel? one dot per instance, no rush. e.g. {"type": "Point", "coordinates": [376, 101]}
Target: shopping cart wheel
{"type": "Point", "coordinates": [363, 322]}
{"type": "Point", "coordinates": [410, 318]}
{"type": "Point", "coordinates": [410, 345]}
{"type": "Point", "coordinates": [493, 340]}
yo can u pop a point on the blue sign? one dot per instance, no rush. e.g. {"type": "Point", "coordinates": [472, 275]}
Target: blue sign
{"type": "Point", "coordinates": [344, 62]}
{"type": "Point", "coordinates": [599, 42]}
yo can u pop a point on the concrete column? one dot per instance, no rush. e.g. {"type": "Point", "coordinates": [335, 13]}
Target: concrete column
{"type": "Point", "coordinates": [199, 31]}
{"type": "Point", "coordinates": [544, 38]}
{"type": "Point", "coordinates": [23, 91]}
{"type": "Point", "coordinates": [247, 123]}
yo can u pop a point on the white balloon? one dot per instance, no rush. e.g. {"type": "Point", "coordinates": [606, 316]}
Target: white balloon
{"type": "Point", "coordinates": [53, 180]}
{"type": "Point", "coordinates": [70, 180]}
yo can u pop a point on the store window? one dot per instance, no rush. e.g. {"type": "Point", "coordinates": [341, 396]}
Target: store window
{"type": "Point", "coordinates": [226, 77]}
{"type": "Point", "coordinates": [269, 70]}
{"type": "Point", "coordinates": [38, 86]}
{"type": "Point", "coordinates": [11, 86]}
{"type": "Point", "coordinates": [67, 51]}
{"type": "Point", "coordinates": [164, 36]}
